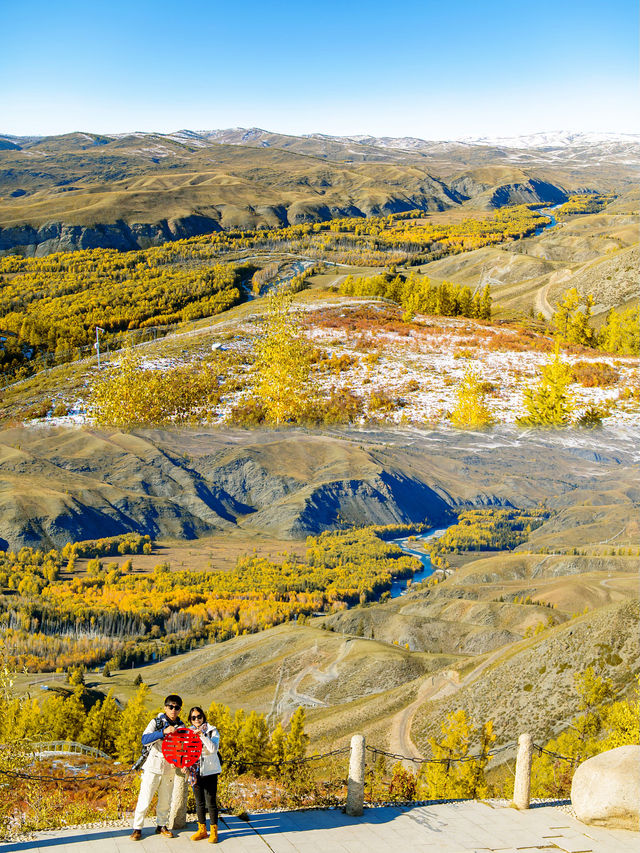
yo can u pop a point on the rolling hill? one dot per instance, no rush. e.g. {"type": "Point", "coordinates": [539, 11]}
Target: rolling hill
{"type": "Point", "coordinates": [84, 190]}
{"type": "Point", "coordinates": [59, 484]}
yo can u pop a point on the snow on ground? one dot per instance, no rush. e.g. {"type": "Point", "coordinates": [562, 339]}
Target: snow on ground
{"type": "Point", "coordinates": [438, 362]}
{"type": "Point", "coordinates": [415, 370]}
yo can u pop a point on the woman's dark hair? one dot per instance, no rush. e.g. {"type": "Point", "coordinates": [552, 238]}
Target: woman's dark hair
{"type": "Point", "coordinates": [199, 710]}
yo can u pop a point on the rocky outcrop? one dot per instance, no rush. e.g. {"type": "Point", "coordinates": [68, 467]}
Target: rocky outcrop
{"type": "Point", "coordinates": [606, 789]}
{"type": "Point", "coordinates": [62, 484]}
{"type": "Point", "coordinates": [124, 235]}
{"type": "Point", "coordinates": [60, 237]}
{"type": "Point", "coordinates": [531, 191]}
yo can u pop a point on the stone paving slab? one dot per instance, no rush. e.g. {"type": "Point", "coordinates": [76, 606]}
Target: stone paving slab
{"type": "Point", "coordinates": [464, 827]}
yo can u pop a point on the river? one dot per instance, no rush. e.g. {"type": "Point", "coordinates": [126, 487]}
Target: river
{"type": "Point", "coordinates": [546, 211]}
{"type": "Point", "coordinates": [401, 585]}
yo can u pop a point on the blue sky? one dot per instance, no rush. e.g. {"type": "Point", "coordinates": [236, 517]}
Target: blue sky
{"type": "Point", "coordinates": [438, 70]}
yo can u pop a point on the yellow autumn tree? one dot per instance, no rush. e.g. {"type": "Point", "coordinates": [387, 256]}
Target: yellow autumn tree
{"type": "Point", "coordinates": [471, 411]}
{"type": "Point", "coordinates": [456, 773]}
{"type": "Point", "coordinates": [283, 362]}
{"type": "Point", "coordinates": [128, 743]}
{"type": "Point", "coordinates": [548, 404]}
{"type": "Point", "coordinates": [571, 318]}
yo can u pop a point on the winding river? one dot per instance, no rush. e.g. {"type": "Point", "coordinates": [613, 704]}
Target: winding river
{"type": "Point", "coordinates": [546, 211]}
{"type": "Point", "coordinates": [401, 585]}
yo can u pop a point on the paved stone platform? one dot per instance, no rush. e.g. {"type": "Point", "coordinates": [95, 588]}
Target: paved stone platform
{"type": "Point", "coordinates": [449, 828]}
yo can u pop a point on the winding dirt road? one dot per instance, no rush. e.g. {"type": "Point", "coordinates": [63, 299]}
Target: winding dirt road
{"type": "Point", "coordinates": [433, 687]}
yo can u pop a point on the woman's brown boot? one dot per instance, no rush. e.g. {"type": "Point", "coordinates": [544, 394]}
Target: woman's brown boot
{"type": "Point", "coordinates": [201, 833]}
{"type": "Point", "coordinates": [213, 837]}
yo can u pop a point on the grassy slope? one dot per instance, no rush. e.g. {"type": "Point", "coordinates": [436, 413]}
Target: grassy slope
{"type": "Point", "coordinates": [238, 186]}
{"type": "Point", "coordinates": [530, 687]}
{"type": "Point", "coordinates": [596, 253]}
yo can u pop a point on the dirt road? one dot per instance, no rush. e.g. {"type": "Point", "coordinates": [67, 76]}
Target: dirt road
{"type": "Point", "coordinates": [433, 687]}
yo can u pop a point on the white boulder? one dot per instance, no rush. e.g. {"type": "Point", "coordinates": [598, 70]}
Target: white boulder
{"type": "Point", "coordinates": [606, 789]}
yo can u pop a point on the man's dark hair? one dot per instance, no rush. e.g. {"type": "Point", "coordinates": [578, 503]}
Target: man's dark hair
{"type": "Point", "coordinates": [174, 699]}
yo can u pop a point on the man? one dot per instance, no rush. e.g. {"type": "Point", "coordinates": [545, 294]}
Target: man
{"type": "Point", "coordinates": [157, 773]}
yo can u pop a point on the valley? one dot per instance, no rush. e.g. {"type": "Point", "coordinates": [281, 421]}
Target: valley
{"type": "Point", "coordinates": [489, 632]}
{"type": "Point", "coordinates": [82, 191]}
{"type": "Point", "coordinates": [359, 437]}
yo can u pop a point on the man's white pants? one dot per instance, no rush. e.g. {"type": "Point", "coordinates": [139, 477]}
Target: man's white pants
{"type": "Point", "coordinates": [150, 783]}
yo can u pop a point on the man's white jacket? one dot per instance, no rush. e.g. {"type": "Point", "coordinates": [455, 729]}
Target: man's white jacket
{"type": "Point", "coordinates": [152, 736]}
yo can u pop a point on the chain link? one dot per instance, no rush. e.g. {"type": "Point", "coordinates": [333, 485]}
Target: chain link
{"type": "Point", "coordinates": [17, 774]}
{"type": "Point", "coordinates": [542, 751]}
{"type": "Point", "coordinates": [289, 761]}
{"type": "Point", "coordinates": [292, 762]}
{"type": "Point", "coordinates": [397, 757]}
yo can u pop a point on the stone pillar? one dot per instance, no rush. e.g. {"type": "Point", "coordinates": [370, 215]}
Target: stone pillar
{"type": "Point", "coordinates": [355, 785]}
{"type": "Point", "coordinates": [178, 812]}
{"type": "Point", "coordinates": [522, 784]}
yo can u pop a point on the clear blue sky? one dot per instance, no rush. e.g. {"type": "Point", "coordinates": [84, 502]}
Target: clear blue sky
{"type": "Point", "coordinates": [437, 70]}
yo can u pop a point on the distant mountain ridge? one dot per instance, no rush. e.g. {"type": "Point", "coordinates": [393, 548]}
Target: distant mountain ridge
{"type": "Point", "coordinates": [132, 190]}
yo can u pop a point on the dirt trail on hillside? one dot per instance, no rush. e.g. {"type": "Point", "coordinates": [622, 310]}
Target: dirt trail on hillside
{"type": "Point", "coordinates": [432, 688]}
{"type": "Point", "coordinates": [542, 305]}
{"type": "Point", "coordinates": [291, 698]}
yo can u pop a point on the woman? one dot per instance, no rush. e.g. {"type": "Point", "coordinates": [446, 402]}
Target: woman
{"type": "Point", "coordinates": [204, 776]}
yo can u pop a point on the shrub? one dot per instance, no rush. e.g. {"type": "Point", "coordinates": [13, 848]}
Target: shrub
{"type": "Point", "coordinates": [135, 396]}
{"type": "Point", "coordinates": [403, 784]}
{"type": "Point", "coordinates": [381, 401]}
{"type": "Point", "coordinates": [594, 374]}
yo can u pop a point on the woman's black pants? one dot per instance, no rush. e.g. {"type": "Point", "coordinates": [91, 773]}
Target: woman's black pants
{"type": "Point", "coordinates": [205, 791]}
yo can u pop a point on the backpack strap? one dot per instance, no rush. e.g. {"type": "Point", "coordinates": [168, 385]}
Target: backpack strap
{"type": "Point", "coordinates": [146, 748]}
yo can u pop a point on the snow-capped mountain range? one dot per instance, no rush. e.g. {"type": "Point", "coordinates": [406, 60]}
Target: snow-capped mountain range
{"type": "Point", "coordinates": [552, 139]}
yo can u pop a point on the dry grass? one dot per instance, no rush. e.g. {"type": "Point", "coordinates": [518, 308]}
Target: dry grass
{"type": "Point", "coordinates": [217, 553]}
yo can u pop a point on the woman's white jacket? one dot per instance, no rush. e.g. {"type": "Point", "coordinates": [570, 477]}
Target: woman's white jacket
{"type": "Point", "coordinates": [209, 760]}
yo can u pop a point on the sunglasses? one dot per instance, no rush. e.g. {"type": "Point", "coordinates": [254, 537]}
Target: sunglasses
{"type": "Point", "coordinates": [197, 717]}
{"type": "Point", "coordinates": [173, 707]}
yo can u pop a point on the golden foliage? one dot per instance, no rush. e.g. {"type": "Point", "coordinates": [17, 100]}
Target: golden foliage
{"type": "Point", "coordinates": [470, 411]}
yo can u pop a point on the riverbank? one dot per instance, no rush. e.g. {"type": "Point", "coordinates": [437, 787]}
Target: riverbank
{"type": "Point", "coordinates": [401, 585]}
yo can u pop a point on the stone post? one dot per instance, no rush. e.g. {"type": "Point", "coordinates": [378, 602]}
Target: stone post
{"type": "Point", "coordinates": [355, 785]}
{"type": "Point", "coordinates": [522, 784]}
{"type": "Point", "coordinates": [178, 812]}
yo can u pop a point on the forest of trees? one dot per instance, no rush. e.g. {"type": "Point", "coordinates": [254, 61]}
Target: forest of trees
{"type": "Point", "coordinates": [54, 304]}
{"type": "Point", "coordinates": [582, 203]}
{"type": "Point", "coordinates": [113, 613]}
{"type": "Point", "coordinates": [117, 614]}
{"type": "Point", "coordinates": [490, 529]}
{"type": "Point", "coordinates": [416, 295]}
{"type": "Point", "coordinates": [573, 324]}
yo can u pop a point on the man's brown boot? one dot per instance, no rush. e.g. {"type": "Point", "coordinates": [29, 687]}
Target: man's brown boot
{"type": "Point", "coordinates": [164, 830]}
{"type": "Point", "coordinates": [213, 837]}
{"type": "Point", "coordinates": [136, 835]}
